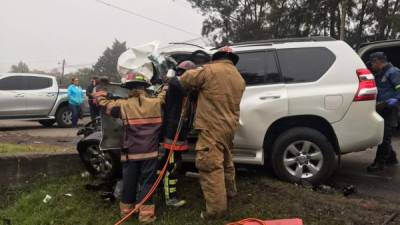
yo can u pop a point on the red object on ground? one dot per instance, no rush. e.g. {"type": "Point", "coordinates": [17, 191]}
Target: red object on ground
{"type": "Point", "coordinates": [268, 222]}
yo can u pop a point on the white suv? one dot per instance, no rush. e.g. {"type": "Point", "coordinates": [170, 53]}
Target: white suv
{"type": "Point", "coordinates": [307, 101]}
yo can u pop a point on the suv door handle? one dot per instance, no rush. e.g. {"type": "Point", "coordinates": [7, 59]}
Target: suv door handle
{"type": "Point", "coordinates": [270, 97]}
{"type": "Point", "coordinates": [19, 95]}
{"type": "Point", "coordinates": [50, 95]}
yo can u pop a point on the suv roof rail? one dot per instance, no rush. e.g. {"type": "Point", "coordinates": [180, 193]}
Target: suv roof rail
{"type": "Point", "coordinates": [284, 40]}
{"type": "Point", "coordinates": [377, 42]}
{"type": "Point", "coordinates": [185, 43]}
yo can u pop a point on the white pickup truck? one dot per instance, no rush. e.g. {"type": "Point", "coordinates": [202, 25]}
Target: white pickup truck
{"type": "Point", "coordinates": [25, 96]}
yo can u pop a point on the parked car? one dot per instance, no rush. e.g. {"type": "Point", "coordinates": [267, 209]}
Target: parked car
{"type": "Point", "coordinates": [25, 96]}
{"type": "Point", "coordinates": [307, 102]}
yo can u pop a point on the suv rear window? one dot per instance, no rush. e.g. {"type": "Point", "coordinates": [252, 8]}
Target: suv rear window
{"type": "Point", "coordinates": [258, 68]}
{"type": "Point", "coordinates": [13, 83]}
{"type": "Point", "coordinates": [36, 83]}
{"type": "Point", "coordinates": [300, 65]}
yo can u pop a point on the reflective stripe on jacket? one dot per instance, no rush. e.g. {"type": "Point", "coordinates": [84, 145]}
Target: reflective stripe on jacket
{"type": "Point", "coordinates": [141, 116]}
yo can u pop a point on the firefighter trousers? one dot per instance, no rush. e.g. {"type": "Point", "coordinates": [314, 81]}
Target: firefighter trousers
{"type": "Point", "coordinates": [137, 177]}
{"type": "Point", "coordinates": [171, 176]}
{"type": "Point", "coordinates": [217, 171]}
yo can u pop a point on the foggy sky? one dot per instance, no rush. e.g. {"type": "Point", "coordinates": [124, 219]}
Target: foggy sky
{"type": "Point", "coordinates": [43, 32]}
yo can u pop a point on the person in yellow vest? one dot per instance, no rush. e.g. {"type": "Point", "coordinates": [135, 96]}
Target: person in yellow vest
{"type": "Point", "coordinates": [220, 87]}
{"type": "Point", "coordinates": [141, 116]}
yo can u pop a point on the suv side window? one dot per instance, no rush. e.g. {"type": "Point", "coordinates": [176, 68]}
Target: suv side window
{"type": "Point", "coordinates": [300, 65]}
{"type": "Point", "coordinates": [13, 83]}
{"type": "Point", "coordinates": [259, 68]}
{"type": "Point", "coordinates": [36, 83]}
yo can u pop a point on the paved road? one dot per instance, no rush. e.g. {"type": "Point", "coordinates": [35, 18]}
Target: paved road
{"type": "Point", "coordinates": [353, 170]}
{"type": "Point", "coordinates": [34, 129]}
{"type": "Point", "coordinates": [384, 184]}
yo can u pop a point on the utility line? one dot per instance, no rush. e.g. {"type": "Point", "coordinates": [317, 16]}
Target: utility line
{"type": "Point", "coordinates": [147, 18]}
{"type": "Point", "coordinates": [230, 18]}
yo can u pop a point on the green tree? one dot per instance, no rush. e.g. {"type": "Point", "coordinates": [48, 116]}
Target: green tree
{"type": "Point", "coordinates": [246, 20]}
{"type": "Point", "coordinates": [107, 63]}
{"type": "Point", "coordinates": [21, 67]}
{"type": "Point", "coordinates": [38, 71]}
{"type": "Point", "coordinates": [84, 75]}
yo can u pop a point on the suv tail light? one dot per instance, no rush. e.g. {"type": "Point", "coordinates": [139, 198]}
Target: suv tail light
{"type": "Point", "coordinates": [366, 88]}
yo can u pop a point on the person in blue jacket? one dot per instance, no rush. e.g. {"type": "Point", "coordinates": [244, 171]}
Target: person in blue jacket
{"type": "Point", "coordinates": [387, 78]}
{"type": "Point", "coordinates": [75, 100]}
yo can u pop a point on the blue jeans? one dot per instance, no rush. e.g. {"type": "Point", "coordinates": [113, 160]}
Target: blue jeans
{"type": "Point", "coordinates": [75, 109]}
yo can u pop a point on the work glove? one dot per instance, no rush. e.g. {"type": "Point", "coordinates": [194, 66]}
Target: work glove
{"type": "Point", "coordinates": [392, 102]}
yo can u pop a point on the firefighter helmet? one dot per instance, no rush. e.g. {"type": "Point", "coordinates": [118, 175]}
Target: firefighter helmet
{"type": "Point", "coordinates": [183, 66]}
{"type": "Point", "coordinates": [226, 53]}
{"type": "Point", "coordinates": [134, 80]}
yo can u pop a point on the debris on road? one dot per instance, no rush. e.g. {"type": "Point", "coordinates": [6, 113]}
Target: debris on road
{"type": "Point", "coordinates": [391, 218]}
{"type": "Point", "coordinates": [68, 195]}
{"type": "Point", "coordinates": [325, 189]}
{"type": "Point", "coordinates": [47, 199]}
{"type": "Point", "coordinates": [85, 174]}
{"type": "Point", "coordinates": [107, 196]}
{"type": "Point", "coordinates": [349, 190]}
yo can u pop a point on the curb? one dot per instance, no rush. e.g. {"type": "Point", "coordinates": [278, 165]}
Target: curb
{"type": "Point", "coordinates": [25, 167]}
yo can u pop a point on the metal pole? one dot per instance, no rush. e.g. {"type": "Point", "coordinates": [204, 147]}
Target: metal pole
{"type": "Point", "coordinates": [62, 71]}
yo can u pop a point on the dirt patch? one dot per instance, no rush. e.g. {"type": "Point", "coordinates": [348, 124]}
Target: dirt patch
{"type": "Point", "coordinates": [21, 138]}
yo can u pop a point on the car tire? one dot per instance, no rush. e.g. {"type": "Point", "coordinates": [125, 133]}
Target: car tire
{"type": "Point", "coordinates": [47, 123]}
{"type": "Point", "coordinates": [64, 117]}
{"type": "Point", "coordinates": [103, 165]}
{"type": "Point", "coordinates": [303, 154]}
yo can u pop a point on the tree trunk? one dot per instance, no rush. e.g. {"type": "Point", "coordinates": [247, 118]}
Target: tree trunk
{"type": "Point", "coordinates": [383, 20]}
{"type": "Point", "coordinates": [361, 18]}
{"type": "Point", "coordinates": [333, 18]}
{"type": "Point", "coordinates": [390, 25]}
{"type": "Point", "coordinates": [343, 20]}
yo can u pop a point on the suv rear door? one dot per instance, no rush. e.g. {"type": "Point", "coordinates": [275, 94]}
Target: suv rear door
{"type": "Point", "coordinates": [318, 82]}
{"type": "Point", "coordinates": [391, 48]}
{"type": "Point", "coordinates": [41, 95]}
{"type": "Point", "coordinates": [12, 96]}
{"type": "Point", "coordinates": [264, 101]}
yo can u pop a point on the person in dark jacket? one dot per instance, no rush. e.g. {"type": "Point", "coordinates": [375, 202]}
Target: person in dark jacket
{"type": "Point", "coordinates": [176, 101]}
{"type": "Point", "coordinates": [387, 78]}
{"type": "Point", "coordinates": [94, 109]}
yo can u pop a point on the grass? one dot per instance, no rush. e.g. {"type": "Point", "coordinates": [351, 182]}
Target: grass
{"type": "Point", "coordinates": [24, 148]}
{"type": "Point", "coordinates": [260, 197]}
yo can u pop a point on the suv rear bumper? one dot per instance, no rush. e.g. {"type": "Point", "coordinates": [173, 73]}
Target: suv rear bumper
{"type": "Point", "coordinates": [359, 130]}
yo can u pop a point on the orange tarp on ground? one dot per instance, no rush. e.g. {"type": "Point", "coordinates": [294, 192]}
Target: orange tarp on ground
{"type": "Point", "coordinates": [269, 222]}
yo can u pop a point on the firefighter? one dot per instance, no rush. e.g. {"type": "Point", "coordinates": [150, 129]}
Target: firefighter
{"type": "Point", "coordinates": [220, 87]}
{"type": "Point", "coordinates": [387, 79]}
{"type": "Point", "coordinates": [141, 116]}
{"type": "Point", "coordinates": [176, 100]}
